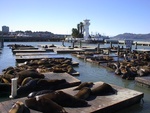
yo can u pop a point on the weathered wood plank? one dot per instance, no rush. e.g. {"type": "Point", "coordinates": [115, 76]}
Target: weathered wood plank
{"type": "Point", "coordinates": [70, 79]}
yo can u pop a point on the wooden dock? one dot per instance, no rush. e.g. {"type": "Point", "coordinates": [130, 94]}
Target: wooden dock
{"type": "Point", "coordinates": [24, 48]}
{"type": "Point", "coordinates": [143, 81]}
{"type": "Point", "coordinates": [28, 51]}
{"type": "Point", "coordinates": [99, 104]}
{"type": "Point", "coordinates": [67, 50]}
{"type": "Point", "coordinates": [21, 59]}
{"type": "Point", "coordinates": [36, 53]}
{"type": "Point", "coordinates": [70, 79]}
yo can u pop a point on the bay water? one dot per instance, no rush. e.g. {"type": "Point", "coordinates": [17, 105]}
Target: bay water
{"type": "Point", "coordinates": [88, 72]}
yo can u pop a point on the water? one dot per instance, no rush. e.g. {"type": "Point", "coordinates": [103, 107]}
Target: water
{"type": "Point", "coordinates": [88, 72]}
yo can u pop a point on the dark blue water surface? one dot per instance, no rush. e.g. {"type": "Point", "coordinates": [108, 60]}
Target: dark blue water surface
{"type": "Point", "coordinates": [88, 72]}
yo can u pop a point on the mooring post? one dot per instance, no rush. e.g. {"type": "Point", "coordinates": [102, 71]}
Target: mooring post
{"type": "Point", "coordinates": [1, 42]}
{"type": "Point", "coordinates": [118, 51]}
{"type": "Point", "coordinates": [135, 45]}
{"type": "Point", "coordinates": [73, 44]}
{"type": "Point", "coordinates": [111, 45]}
{"type": "Point", "coordinates": [98, 46]}
{"type": "Point", "coordinates": [63, 43]}
{"type": "Point", "coordinates": [13, 88]}
{"type": "Point", "coordinates": [80, 44]}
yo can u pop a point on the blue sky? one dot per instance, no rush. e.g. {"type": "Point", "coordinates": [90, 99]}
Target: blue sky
{"type": "Point", "coordinates": [107, 17]}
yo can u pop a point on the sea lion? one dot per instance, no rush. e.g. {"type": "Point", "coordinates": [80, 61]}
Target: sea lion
{"type": "Point", "coordinates": [118, 71]}
{"type": "Point", "coordinates": [50, 84]}
{"type": "Point", "coordinates": [84, 84]}
{"type": "Point", "coordinates": [33, 94]}
{"type": "Point", "coordinates": [4, 80]}
{"type": "Point", "coordinates": [26, 80]}
{"type": "Point", "coordinates": [19, 107]}
{"type": "Point", "coordinates": [8, 77]}
{"type": "Point", "coordinates": [84, 93]}
{"type": "Point", "coordinates": [64, 99]}
{"type": "Point", "coordinates": [104, 89]}
{"type": "Point", "coordinates": [44, 105]}
{"type": "Point", "coordinates": [28, 73]}
{"type": "Point", "coordinates": [27, 88]}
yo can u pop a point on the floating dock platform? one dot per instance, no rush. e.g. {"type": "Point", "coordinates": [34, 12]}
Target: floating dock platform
{"type": "Point", "coordinates": [21, 59]}
{"type": "Point", "coordinates": [70, 79]}
{"type": "Point", "coordinates": [143, 81]}
{"type": "Point", "coordinates": [99, 104]}
{"type": "Point", "coordinates": [67, 50]}
{"type": "Point", "coordinates": [36, 54]}
{"type": "Point", "coordinates": [28, 50]}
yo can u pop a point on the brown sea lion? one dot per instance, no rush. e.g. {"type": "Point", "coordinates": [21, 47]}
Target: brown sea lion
{"type": "Point", "coordinates": [84, 93]}
{"type": "Point", "coordinates": [19, 107]}
{"type": "Point", "coordinates": [28, 88]}
{"type": "Point", "coordinates": [26, 80]}
{"type": "Point", "coordinates": [84, 84]}
{"type": "Point", "coordinates": [51, 84]}
{"type": "Point", "coordinates": [36, 93]}
{"type": "Point", "coordinates": [64, 99]}
{"type": "Point", "coordinates": [8, 76]}
{"type": "Point", "coordinates": [104, 89]}
{"type": "Point", "coordinates": [44, 105]}
{"type": "Point", "coordinates": [28, 73]}
{"type": "Point", "coordinates": [4, 80]}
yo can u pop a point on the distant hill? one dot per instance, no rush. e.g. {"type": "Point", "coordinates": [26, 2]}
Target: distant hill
{"type": "Point", "coordinates": [132, 36]}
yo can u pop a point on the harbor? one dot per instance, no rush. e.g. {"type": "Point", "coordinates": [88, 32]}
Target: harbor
{"type": "Point", "coordinates": [107, 79]}
{"type": "Point", "coordinates": [75, 56]}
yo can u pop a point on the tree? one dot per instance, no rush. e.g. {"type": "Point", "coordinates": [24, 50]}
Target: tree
{"type": "Point", "coordinates": [75, 33]}
{"type": "Point", "coordinates": [78, 33]}
{"type": "Point", "coordinates": [81, 27]}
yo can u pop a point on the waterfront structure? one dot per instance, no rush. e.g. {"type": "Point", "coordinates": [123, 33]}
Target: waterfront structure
{"type": "Point", "coordinates": [5, 29]}
{"type": "Point", "coordinates": [86, 24]}
{"type": "Point", "coordinates": [1, 42]}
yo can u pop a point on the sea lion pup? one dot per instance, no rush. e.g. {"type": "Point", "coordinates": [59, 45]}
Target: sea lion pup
{"type": "Point", "coordinates": [84, 84]}
{"type": "Point", "coordinates": [44, 105]}
{"type": "Point", "coordinates": [84, 93]}
{"type": "Point", "coordinates": [19, 107]}
{"type": "Point", "coordinates": [104, 89]}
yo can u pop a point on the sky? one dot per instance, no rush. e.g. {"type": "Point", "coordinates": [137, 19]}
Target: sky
{"type": "Point", "coordinates": [107, 17]}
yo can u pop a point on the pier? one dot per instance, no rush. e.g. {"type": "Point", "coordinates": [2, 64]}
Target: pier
{"type": "Point", "coordinates": [1, 42]}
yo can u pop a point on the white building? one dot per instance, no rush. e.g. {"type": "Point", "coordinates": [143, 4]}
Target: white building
{"type": "Point", "coordinates": [86, 24]}
{"type": "Point", "coordinates": [5, 29]}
